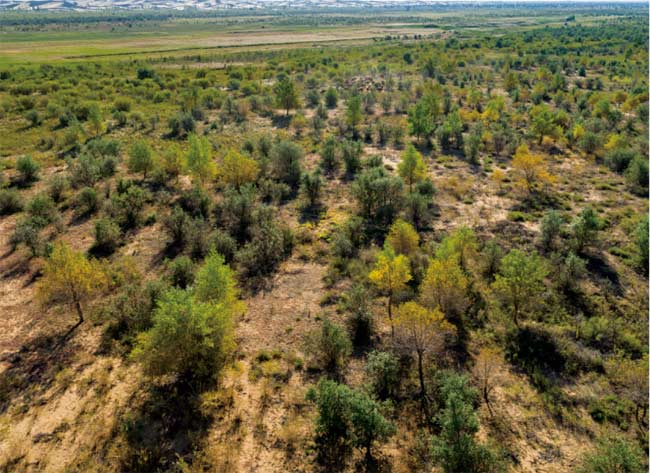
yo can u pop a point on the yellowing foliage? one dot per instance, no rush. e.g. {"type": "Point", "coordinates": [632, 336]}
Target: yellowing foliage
{"type": "Point", "coordinates": [531, 170]}
{"type": "Point", "coordinates": [390, 275]}
{"type": "Point", "coordinates": [445, 286]}
{"type": "Point", "coordinates": [237, 170]}
{"type": "Point", "coordinates": [69, 277]}
{"type": "Point", "coordinates": [403, 238]}
{"type": "Point", "coordinates": [615, 141]}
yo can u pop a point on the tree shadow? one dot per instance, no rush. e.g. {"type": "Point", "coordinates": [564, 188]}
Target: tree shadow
{"type": "Point", "coordinates": [281, 121]}
{"type": "Point", "coordinates": [378, 463]}
{"type": "Point", "coordinates": [311, 213]}
{"type": "Point", "coordinates": [600, 268]}
{"type": "Point", "coordinates": [33, 368]}
{"type": "Point", "coordinates": [164, 430]}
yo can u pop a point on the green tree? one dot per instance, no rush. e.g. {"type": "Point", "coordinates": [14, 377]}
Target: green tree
{"type": "Point", "coordinates": [455, 448]}
{"type": "Point", "coordinates": [412, 168]}
{"type": "Point", "coordinates": [331, 98]}
{"type": "Point", "coordinates": [550, 228]}
{"type": "Point", "coordinates": [383, 373]}
{"type": "Point", "coordinates": [286, 94]}
{"type": "Point", "coordinates": [543, 123]}
{"type": "Point", "coordinates": [520, 281]}
{"type": "Point", "coordinates": [346, 418]}
{"type": "Point", "coordinates": [140, 158]}
{"type": "Point", "coordinates": [215, 283]}
{"type": "Point", "coordinates": [190, 339]}
{"type": "Point", "coordinates": [236, 169]}
{"type": "Point", "coordinates": [286, 158]}
{"type": "Point", "coordinates": [584, 229]}
{"type": "Point", "coordinates": [420, 121]}
{"type": "Point", "coordinates": [353, 114]}
{"type": "Point", "coordinates": [311, 187]}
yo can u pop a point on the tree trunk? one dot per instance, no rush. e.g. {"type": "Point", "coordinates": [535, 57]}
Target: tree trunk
{"type": "Point", "coordinates": [515, 314]}
{"type": "Point", "coordinates": [423, 393]}
{"type": "Point", "coordinates": [486, 398]}
{"type": "Point", "coordinates": [77, 305]}
{"type": "Point", "coordinates": [390, 315]}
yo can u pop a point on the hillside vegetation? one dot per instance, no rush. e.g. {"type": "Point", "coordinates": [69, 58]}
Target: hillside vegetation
{"type": "Point", "coordinates": [424, 250]}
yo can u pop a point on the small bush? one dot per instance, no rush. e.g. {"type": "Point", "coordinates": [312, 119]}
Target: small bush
{"type": "Point", "coordinates": [10, 201]}
{"type": "Point", "coordinates": [28, 169]}
{"type": "Point", "coordinates": [107, 235]}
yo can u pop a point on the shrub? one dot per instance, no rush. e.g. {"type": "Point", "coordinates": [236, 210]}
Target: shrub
{"type": "Point", "coordinates": [360, 321]}
{"type": "Point", "coordinates": [176, 224]}
{"type": "Point", "coordinates": [86, 202]}
{"type": "Point", "coordinates": [383, 373]}
{"type": "Point", "coordinates": [27, 232]}
{"type": "Point", "coordinates": [618, 160]}
{"type": "Point", "coordinates": [269, 245]}
{"type": "Point", "coordinates": [196, 202]}
{"type": "Point", "coordinates": [286, 160]}
{"type": "Point", "coordinates": [615, 454]}
{"type": "Point", "coordinates": [57, 187]}
{"type": "Point", "coordinates": [42, 209]}
{"type": "Point", "coordinates": [181, 125]}
{"type": "Point", "coordinates": [379, 196]}
{"type": "Point", "coordinates": [10, 201]}
{"type": "Point", "coordinates": [181, 272]}
{"type": "Point", "coordinates": [127, 204]}
{"type": "Point", "coordinates": [107, 235]}
{"type": "Point", "coordinates": [330, 347]}
{"type": "Point", "coordinates": [550, 228]}
{"type": "Point", "coordinates": [28, 169]}
{"type": "Point", "coordinates": [637, 175]}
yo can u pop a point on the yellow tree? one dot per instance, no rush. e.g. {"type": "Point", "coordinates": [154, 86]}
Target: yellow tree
{"type": "Point", "coordinates": [69, 277]}
{"type": "Point", "coordinates": [422, 330]}
{"type": "Point", "coordinates": [412, 168]}
{"type": "Point", "coordinates": [486, 373]}
{"type": "Point", "coordinates": [237, 170]}
{"type": "Point", "coordinates": [445, 286]}
{"type": "Point", "coordinates": [390, 275]}
{"type": "Point", "coordinates": [403, 238]}
{"type": "Point", "coordinates": [531, 169]}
